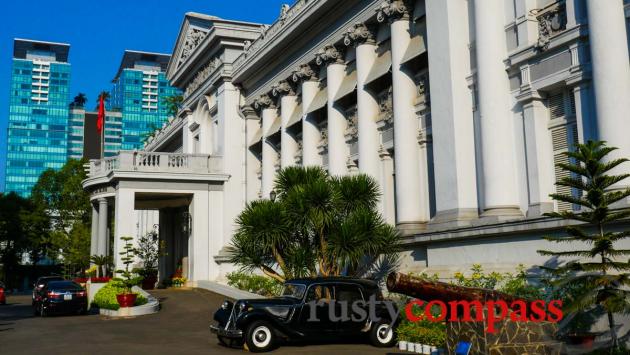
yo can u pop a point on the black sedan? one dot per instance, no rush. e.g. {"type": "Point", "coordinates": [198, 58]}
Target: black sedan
{"type": "Point", "coordinates": [60, 297]}
{"type": "Point", "coordinates": [317, 308]}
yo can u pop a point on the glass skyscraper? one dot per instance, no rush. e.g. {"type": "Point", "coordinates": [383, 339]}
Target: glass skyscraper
{"type": "Point", "coordinates": [140, 91]}
{"type": "Point", "coordinates": [37, 136]}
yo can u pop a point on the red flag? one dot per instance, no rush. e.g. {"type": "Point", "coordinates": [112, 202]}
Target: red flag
{"type": "Point", "coordinates": [101, 114]}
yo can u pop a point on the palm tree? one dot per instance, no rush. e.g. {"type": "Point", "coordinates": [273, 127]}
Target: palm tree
{"type": "Point", "coordinates": [79, 100]}
{"type": "Point", "coordinates": [173, 104]}
{"type": "Point", "coordinates": [600, 277]}
{"type": "Point", "coordinates": [105, 95]}
{"type": "Point", "coordinates": [102, 262]}
{"type": "Point", "coordinates": [318, 225]}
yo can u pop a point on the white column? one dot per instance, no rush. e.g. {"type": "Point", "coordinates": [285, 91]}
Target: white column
{"type": "Point", "coordinates": [203, 244]}
{"type": "Point", "coordinates": [253, 161]}
{"type": "Point", "coordinates": [367, 111]}
{"type": "Point", "coordinates": [500, 189]}
{"type": "Point", "coordinates": [611, 76]}
{"type": "Point", "coordinates": [337, 147]}
{"type": "Point", "coordinates": [102, 227]}
{"type": "Point", "coordinates": [310, 132]}
{"type": "Point", "coordinates": [410, 210]}
{"type": "Point", "coordinates": [451, 111]}
{"type": "Point", "coordinates": [539, 152]}
{"type": "Point", "coordinates": [269, 153]}
{"type": "Point", "coordinates": [288, 146]}
{"type": "Point", "coordinates": [125, 223]}
{"type": "Point", "coordinates": [94, 231]}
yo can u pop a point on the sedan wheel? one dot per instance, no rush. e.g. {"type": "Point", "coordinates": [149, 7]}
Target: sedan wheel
{"type": "Point", "coordinates": [382, 335]}
{"type": "Point", "coordinates": [259, 337]}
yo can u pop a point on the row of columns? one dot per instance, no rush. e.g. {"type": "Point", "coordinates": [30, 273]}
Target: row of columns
{"type": "Point", "coordinates": [455, 168]}
{"type": "Point", "coordinates": [410, 208]}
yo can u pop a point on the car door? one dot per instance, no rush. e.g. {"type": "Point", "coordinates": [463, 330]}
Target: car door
{"type": "Point", "coordinates": [314, 316]}
{"type": "Point", "coordinates": [345, 296]}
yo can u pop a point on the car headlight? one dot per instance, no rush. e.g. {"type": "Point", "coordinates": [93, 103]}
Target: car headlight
{"type": "Point", "coordinates": [226, 305]}
{"type": "Point", "coordinates": [241, 306]}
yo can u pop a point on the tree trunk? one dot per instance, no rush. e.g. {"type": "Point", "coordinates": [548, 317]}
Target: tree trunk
{"type": "Point", "coordinates": [613, 334]}
{"type": "Point", "coordinates": [274, 275]}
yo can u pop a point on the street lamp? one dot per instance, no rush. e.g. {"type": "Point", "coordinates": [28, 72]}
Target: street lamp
{"type": "Point", "coordinates": [272, 195]}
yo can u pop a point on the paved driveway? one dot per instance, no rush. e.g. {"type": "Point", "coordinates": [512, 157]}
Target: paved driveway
{"type": "Point", "coordinates": [181, 327]}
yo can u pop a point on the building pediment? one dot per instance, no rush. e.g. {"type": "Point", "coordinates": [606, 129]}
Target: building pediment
{"type": "Point", "coordinates": [201, 46]}
{"type": "Point", "coordinates": [192, 32]}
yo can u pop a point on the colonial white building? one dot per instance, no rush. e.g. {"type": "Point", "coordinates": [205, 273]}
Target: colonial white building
{"type": "Point", "coordinates": [458, 108]}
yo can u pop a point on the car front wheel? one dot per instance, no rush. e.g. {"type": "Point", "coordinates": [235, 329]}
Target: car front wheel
{"type": "Point", "coordinates": [382, 335]}
{"type": "Point", "coordinates": [260, 337]}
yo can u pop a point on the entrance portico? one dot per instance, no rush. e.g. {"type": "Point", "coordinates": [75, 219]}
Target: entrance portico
{"type": "Point", "coordinates": [187, 190]}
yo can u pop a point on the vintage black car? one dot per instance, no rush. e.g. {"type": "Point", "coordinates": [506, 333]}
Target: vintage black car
{"type": "Point", "coordinates": [303, 311]}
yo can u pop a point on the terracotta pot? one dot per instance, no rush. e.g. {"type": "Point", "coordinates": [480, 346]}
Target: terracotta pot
{"type": "Point", "coordinates": [149, 282]}
{"type": "Point", "coordinates": [126, 299]}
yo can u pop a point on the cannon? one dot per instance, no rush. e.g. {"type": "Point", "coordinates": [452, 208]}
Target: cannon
{"type": "Point", "coordinates": [434, 290]}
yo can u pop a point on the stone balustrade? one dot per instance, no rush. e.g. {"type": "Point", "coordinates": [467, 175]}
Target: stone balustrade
{"type": "Point", "coordinates": [142, 161]}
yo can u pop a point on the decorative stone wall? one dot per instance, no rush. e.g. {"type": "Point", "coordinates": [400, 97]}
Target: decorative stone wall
{"type": "Point", "coordinates": [510, 338]}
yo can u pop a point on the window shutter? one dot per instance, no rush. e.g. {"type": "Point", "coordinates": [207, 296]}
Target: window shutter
{"type": "Point", "coordinates": [556, 105]}
{"type": "Point", "coordinates": [563, 138]}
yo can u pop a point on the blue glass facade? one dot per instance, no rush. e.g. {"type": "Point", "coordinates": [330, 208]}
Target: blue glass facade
{"type": "Point", "coordinates": [37, 136]}
{"type": "Point", "coordinates": [141, 96]}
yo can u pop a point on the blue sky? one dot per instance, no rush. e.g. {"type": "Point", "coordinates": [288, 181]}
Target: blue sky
{"type": "Point", "coordinates": [99, 31]}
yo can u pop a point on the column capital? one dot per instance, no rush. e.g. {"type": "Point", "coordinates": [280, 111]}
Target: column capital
{"type": "Point", "coordinates": [394, 10]}
{"type": "Point", "coordinates": [248, 112]}
{"type": "Point", "coordinates": [102, 200]}
{"type": "Point", "coordinates": [282, 88]}
{"type": "Point", "coordinates": [263, 102]}
{"type": "Point", "coordinates": [359, 34]}
{"type": "Point", "coordinates": [304, 72]}
{"type": "Point", "coordinates": [329, 55]}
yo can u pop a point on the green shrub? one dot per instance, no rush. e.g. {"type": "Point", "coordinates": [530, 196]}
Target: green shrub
{"type": "Point", "coordinates": [423, 332]}
{"type": "Point", "coordinates": [261, 285]}
{"type": "Point", "coordinates": [517, 284]}
{"type": "Point", "coordinates": [106, 297]}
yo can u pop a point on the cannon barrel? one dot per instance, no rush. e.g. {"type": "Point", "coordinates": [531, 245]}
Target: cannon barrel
{"type": "Point", "coordinates": [427, 290]}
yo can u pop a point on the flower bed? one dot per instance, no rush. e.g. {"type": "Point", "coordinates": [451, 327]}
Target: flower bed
{"type": "Point", "coordinates": [106, 297]}
{"type": "Point", "coordinates": [100, 280]}
{"type": "Point", "coordinates": [94, 280]}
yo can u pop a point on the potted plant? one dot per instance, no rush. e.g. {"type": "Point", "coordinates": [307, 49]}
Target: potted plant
{"type": "Point", "coordinates": [128, 279]}
{"type": "Point", "coordinates": [149, 253]}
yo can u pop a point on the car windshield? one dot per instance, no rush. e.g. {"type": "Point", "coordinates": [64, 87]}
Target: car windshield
{"type": "Point", "coordinates": [293, 290]}
{"type": "Point", "coordinates": [65, 285]}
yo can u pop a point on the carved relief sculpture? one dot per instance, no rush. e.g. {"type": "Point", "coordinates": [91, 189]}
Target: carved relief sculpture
{"type": "Point", "coordinates": [327, 55]}
{"type": "Point", "coordinates": [394, 10]}
{"type": "Point", "coordinates": [191, 41]}
{"type": "Point", "coordinates": [359, 34]}
{"type": "Point", "coordinates": [304, 72]}
{"type": "Point", "coordinates": [551, 20]}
